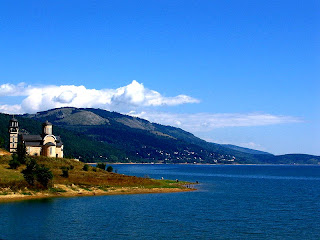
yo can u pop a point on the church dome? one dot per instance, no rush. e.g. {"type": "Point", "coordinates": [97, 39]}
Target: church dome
{"type": "Point", "coordinates": [49, 144]}
{"type": "Point", "coordinates": [13, 119]}
{"type": "Point", "coordinates": [13, 123]}
{"type": "Point", "coordinates": [47, 123]}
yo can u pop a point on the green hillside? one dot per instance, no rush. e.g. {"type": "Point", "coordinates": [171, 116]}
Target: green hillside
{"type": "Point", "coordinates": [99, 135]}
{"type": "Point", "coordinates": [75, 143]}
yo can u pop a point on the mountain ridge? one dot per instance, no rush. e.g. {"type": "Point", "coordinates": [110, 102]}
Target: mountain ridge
{"type": "Point", "coordinates": [99, 135]}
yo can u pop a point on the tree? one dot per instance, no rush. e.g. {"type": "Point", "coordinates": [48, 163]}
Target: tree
{"type": "Point", "coordinates": [29, 173]}
{"type": "Point", "coordinates": [22, 152]}
{"type": "Point", "coordinates": [14, 163]}
{"type": "Point", "coordinates": [109, 169]}
{"type": "Point", "coordinates": [65, 172]}
{"type": "Point", "coordinates": [43, 175]}
{"type": "Point", "coordinates": [1, 142]}
{"type": "Point", "coordinates": [33, 172]}
{"type": "Point", "coordinates": [85, 167]}
{"type": "Point", "coordinates": [102, 166]}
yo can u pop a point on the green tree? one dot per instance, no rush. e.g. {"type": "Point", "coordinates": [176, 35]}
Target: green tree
{"type": "Point", "coordinates": [65, 172]}
{"type": "Point", "coordinates": [109, 169]}
{"type": "Point", "coordinates": [14, 163]}
{"type": "Point", "coordinates": [29, 173]}
{"type": "Point", "coordinates": [43, 175]}
{"type": "Point", "coordinates": [85, 167]}
{"type": "Point", "coordinates": [1, 142]}
{"type": "Point", "coordinates": [102, 166]}
{"type": "Point", "coordinates": [22, 152]}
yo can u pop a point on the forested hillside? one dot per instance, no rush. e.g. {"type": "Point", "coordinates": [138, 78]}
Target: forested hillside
{"type": "Point", "coordinates": [99, 135]}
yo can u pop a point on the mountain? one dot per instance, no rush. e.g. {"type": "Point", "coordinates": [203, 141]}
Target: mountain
{"type": "Point", "coordinates": [137, 139]}
{"type": "Point", "coordinates": [99, 135]}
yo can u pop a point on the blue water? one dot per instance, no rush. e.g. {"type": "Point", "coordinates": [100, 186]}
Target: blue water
{"type": "Point", "coordinates": [232, 202]}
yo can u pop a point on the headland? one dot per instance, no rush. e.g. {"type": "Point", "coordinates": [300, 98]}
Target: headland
{"type": "Point", "coordinates": [72, 179]}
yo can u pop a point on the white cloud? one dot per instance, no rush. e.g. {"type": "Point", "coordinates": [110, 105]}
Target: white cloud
{"type": "Point", "coordinates": [203, 122]}
{"type": "Point", "coordinates": [10, 108]}
{"type": "Point", "coordinates": [132, 96]}
{"type": "Point", "coordinates": [12, 90]}
{"type": "Point", "coordinates": [136, 94]}
{"type": "Point", "coordinates": [65, 97]}
{"type": "Point", "coordinates": [252, 145]}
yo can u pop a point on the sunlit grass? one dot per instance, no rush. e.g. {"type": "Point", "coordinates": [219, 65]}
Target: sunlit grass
{"type": "Point", "coordinates": [99, 178]}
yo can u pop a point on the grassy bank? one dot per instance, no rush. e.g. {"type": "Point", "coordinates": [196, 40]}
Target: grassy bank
{"type": "Point", "coordinates": [79, 182]}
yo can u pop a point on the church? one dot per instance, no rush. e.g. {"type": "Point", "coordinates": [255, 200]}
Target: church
{"type": "Point", "coordinates": [45, 144]}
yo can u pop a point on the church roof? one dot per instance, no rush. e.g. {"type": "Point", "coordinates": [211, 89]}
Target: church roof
{"type": "Point", "coordinates": [36, 140]}
{"type": "Point", "coordinates": [13, 119]}
{"type": "Point", "coordinates": [59, 142]}
{"type": "Point", "coordinates": [31, 138]}
{"type": "Point", "coordinates": [33, 144]}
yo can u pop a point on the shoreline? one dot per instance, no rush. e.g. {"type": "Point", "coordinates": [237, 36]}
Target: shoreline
{"type": "Point", "coordinates": [208, 164]}
{"type": "Point", "coordinates": [78, 182]}
{"type": "Point", "coordinates": [75, 191]}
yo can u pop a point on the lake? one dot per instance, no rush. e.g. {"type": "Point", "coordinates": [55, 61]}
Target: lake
{"type": "Point", "coordinates": [232, 202]}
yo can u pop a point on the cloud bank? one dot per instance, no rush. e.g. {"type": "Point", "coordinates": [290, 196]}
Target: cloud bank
{"type": "Point", "coordinates": [203, 122]}
{"type": "Point", "coordinates": [40, 98]}
{"type": "Point", "coordinates": [134, 99]}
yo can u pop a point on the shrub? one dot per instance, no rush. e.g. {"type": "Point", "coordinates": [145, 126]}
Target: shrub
{"type": "Point", "coordinates": [29, 173]}
{"type": "Point", "coordinates": [22, 152]}
{"type": "Point", "coordinates": [109, 169]}
{"type": "Point", "coordinates": [14, 163]}
{"type": "Point", "coordinates": [35, 172]}
{"type": "Point", "coordinates": [71, 167]}
{"type": "Point", "coordinates": [85, 167]}
{"type": "Point", "coordinates": [44, 175]}
{"type": "Point", "coordinates": [102, 166]}
{"type": "Point", "coordinates": [1, 142]}
{"type": "Point", "coordinates": [65, 173]}
{"type": "Point", "coordinates": [56, 190]}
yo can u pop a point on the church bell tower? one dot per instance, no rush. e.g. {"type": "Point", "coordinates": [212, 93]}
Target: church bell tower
{"type": "Point", "coordinates": [13, 131]}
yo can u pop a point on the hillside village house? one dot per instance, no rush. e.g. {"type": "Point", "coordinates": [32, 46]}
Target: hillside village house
{"type": "Point", "coordinates": [45, 144]}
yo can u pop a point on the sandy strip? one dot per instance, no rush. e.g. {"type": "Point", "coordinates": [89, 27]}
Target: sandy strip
{"type": "Point", "coordinates": [74, 191]}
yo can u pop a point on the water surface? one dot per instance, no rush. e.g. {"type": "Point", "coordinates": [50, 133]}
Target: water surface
{"type": "Point", "coordinates": [232, 202]}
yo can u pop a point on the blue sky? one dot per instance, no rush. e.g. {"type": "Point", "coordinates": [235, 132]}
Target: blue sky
{"type": "Point", "coordinates": [239, 72]}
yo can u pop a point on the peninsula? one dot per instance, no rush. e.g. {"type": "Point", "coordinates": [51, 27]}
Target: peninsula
{"type": "Point", "coordinates": [73, 178]}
